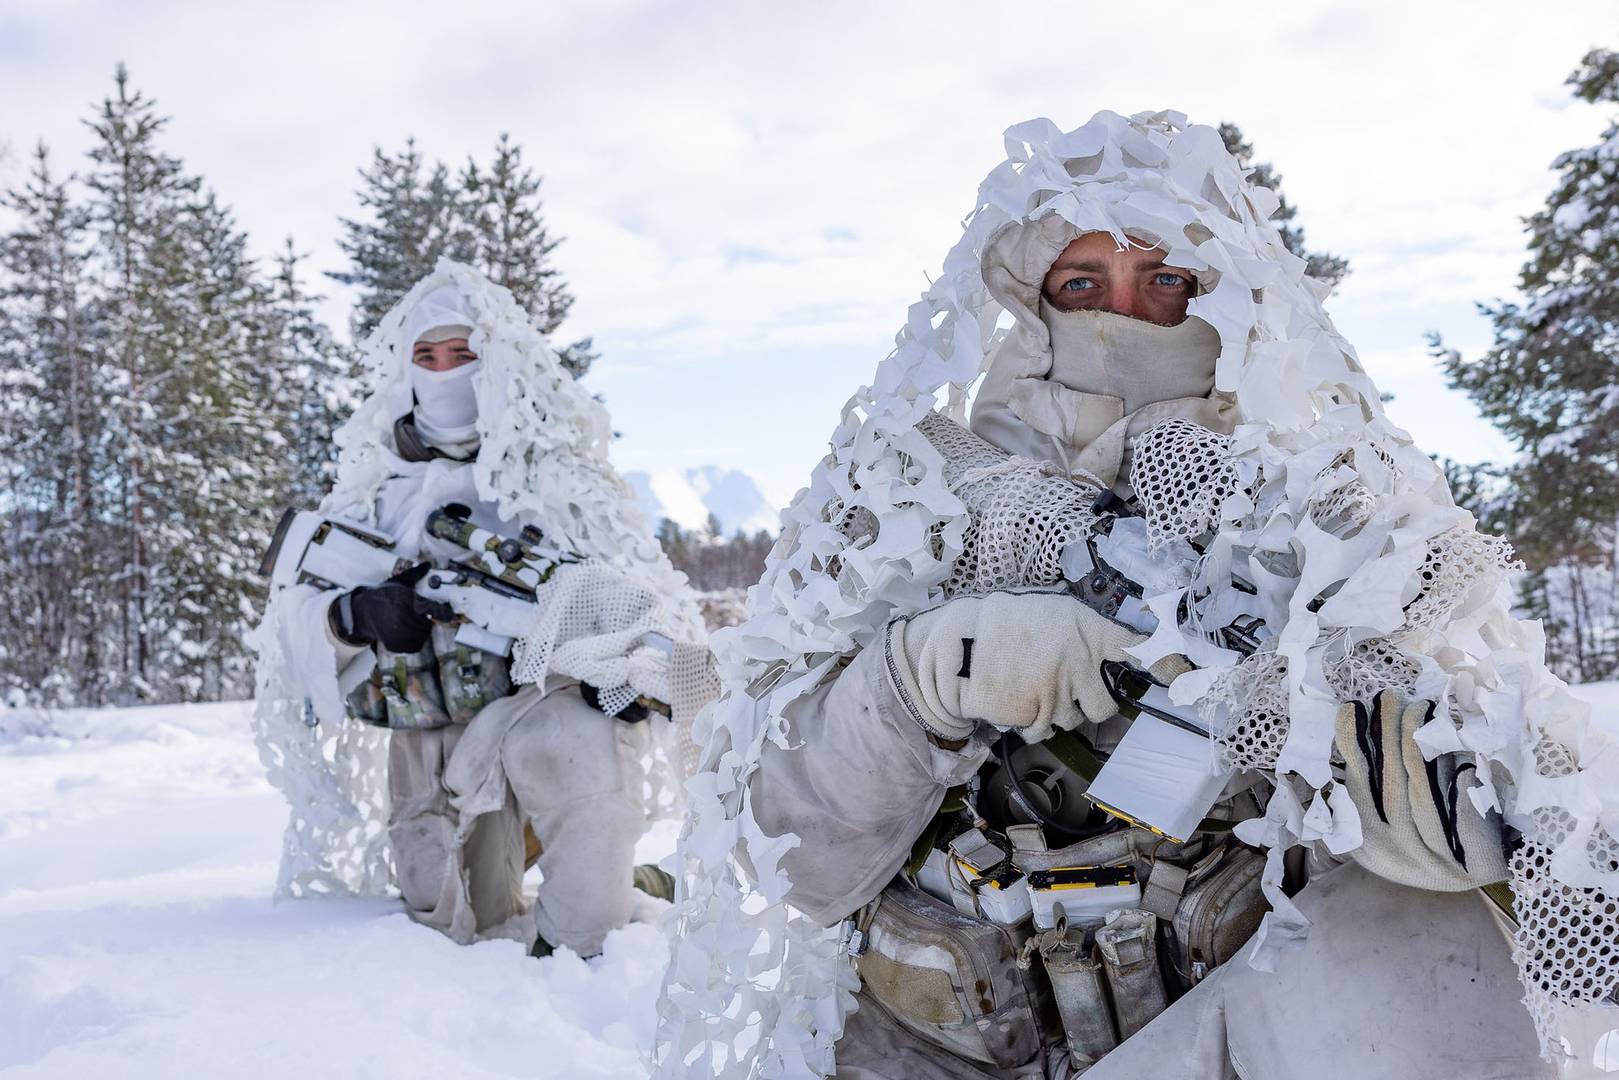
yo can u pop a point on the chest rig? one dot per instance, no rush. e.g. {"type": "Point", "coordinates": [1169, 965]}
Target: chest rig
{"type": "Point", "coordinates": [1029, 922]}
{"type": "Point", "coordinates": [443, 683]}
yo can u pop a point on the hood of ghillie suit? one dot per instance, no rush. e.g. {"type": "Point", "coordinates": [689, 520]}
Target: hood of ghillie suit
{"type": "Point", "coordinates": [541, 458]}
{"type": "Point", "coordinates": [877, 530]}
{"type": "Point", "coordinates": [542, 439]}
{"type": "Point", "coordinates": [1075, 387]}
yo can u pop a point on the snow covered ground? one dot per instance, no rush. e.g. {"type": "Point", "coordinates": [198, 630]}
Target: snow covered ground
{"type": "Point", "coordinates": [138, 848]}
{"type": "Point", "coordinates": [137, 937]}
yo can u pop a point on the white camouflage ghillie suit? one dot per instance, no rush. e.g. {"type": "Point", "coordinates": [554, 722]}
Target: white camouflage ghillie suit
{"type": "Point", "coordinates": [914, 604]}
{"type": "Point", "coordinates": [512, 437]}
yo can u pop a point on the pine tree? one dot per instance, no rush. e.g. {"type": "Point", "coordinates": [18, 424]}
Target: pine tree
{"type": "Point", "coordinates": [322, 382]}
{"type": "Point", "coordinates": [53, 440]}
{"type": "Point", "coordinates": [514, 246]}
{"type": "Point", "coordinates": [1320, 265]}
{"type": "Point", "coordinates": [712, 561]}
{"type": "Point", "coordinates": [201, 466]}
{"type": "Point", "coordinates": [1550, 382]}
{"type": "Point", "coordinates": [417, 215]}
{"type": "Point", "coordinates": [489, 218]}
{"type": "Point", "coordinates": [137, 193]}
{"type": "Point", "coordinates": [225, 465]}
{"type": "Point", "coordinates": [155, 389]}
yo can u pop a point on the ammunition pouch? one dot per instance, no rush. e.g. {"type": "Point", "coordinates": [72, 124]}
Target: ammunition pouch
{"type": "Point", "coordinates": [1104, 972]}
{"type": "Point", "coordinates": [441, 684]}
{"type": "Point", "coordinates": [469, 678]}
{"type": "Point", "coordinates": [954, 979]}
{"type": "Point", "coordinates": [402, 692]}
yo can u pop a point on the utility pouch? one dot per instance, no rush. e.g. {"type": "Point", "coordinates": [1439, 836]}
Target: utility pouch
{"type": "Point", "coordinates": [407, 686]}
{"type": "Point", "coordinates": [1218, 912]}
{"type": "Point", "coordinates": [1128, 943]}
{"type": "Point", "coordinates": [1077, 982]}
{"type": "Point", "coordinates": [366, 704]}
{"type": "Point", "coordinates": [469, 678]}
{"type": "Point", "coordinates": [954, 979]}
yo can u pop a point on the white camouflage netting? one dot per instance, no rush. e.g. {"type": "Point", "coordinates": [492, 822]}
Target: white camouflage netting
{"type": "Point", "coordinates": [1022, 512]}
{"type": "Point", "coordinates": [543, 459]}
{"type": "Point", "coordinates": [1315, 496]}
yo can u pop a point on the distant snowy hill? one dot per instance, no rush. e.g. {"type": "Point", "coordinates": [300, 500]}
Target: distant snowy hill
{"type": "Point", "coordinates": [688, 497]}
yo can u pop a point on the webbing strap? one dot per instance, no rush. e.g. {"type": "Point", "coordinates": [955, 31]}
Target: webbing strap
{"type": "Point", "coordinates": [1500, 894]}
{"type": "Point", "coordinates": [1163, 892]}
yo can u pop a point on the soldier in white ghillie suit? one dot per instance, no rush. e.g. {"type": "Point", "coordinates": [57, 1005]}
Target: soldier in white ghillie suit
{"type": "Point", "coordinates": [469, 405]}
{"type": "Point", "coordinates": [935, 845]}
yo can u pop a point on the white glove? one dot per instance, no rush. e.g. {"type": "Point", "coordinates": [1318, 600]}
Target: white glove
{"type": "Point", "coordinates": [1025, 660]}
{"type": "Point", "coordinates": [1420, 828]}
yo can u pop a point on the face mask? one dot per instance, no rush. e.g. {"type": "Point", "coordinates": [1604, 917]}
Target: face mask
{"type": "Point", "coordinates": [446, 404]}
{"type": "Point", "coordinates": [1138, 362]}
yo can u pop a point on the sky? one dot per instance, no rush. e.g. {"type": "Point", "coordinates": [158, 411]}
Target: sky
{"type": "Point", "coordinates": [751, 194]}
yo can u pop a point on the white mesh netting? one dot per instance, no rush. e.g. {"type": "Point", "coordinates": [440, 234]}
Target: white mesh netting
{"type": "Point", "coordinates": [1182, 473]}
{"type": "Point", "coordinates": [1323, 507]}
{"type": "Point", "coordinates": [1567, 940]}
{"type": "Point", "coordinates": [1022, 513]}
{"type": "Point", "coordinates": [542, 461]}
{"type": "Point", "coordinates": [1252, 725]}
{"type": "Point", "coordinates": [1458, 561]}
{"type": "Point", "coordinates": [593, 625]}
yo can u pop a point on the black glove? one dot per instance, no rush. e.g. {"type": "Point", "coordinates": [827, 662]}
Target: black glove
{"type": "Point", "coordinates": [390, 614]}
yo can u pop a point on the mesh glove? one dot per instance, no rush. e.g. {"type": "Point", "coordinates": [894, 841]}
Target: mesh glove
{"type": "Point", "coordinates": [1419, 826]}
{"type": "Point", "coordinates": [390, 614]}
{"type": "Point", "coordinates": [1025, 660]}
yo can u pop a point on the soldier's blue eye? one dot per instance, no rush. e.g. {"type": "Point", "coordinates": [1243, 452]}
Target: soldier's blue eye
{"type": "Point", "coordinates": [1078, 284]}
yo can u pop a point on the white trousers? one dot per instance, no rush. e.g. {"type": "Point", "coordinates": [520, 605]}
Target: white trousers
{"type": "Point", "coordinates": [461, 796]}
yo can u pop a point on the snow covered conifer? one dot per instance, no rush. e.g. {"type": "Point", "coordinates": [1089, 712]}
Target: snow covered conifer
{"type": "Point", "coordinates": [488, 218]}
{"type": "Point", "coordinates": [52, 437]}
{"type": "Point", "coordinates": [514, 246]}
{"type": "Point", "coordinates": [152, 386]}
{"type": "Point", "coordinates": [321, 382]}
{"type": "Point", "coordinates": [199, 466]}
{"type": "Point", "coordinates": [416, 215]}
{"type": "Point", "coordinates": [136, 192]}
{"type": "Point", "coordinates": [1550, 382]}
{"type": "Point", "coordinates": [228, 463]}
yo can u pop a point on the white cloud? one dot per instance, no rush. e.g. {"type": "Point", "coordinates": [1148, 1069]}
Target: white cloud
{"type": "Point", "coordinates": [752, 194]}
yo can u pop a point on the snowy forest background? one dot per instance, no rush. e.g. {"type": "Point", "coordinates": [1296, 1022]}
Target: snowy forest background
{"type": "Point", "coordinates": [163, 396]}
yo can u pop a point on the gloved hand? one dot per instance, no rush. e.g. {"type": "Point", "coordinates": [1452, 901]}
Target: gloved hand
{"type": "Point", "coordinates": [390, 614]}
{"type": "Point", "coordinates": [1419, 826]}
{"type": "Point", "coordinates": [1025, 660]}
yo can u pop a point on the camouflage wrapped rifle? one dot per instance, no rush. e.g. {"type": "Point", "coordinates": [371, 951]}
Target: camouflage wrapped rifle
{"type": "Point", "coordinates": [491, 588]}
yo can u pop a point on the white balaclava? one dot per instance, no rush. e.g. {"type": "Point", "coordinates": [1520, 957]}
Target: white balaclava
{"type": "Point", "coordinates": [1075, 386]}
{"type": "Point", "coordinates": [446, 408]}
